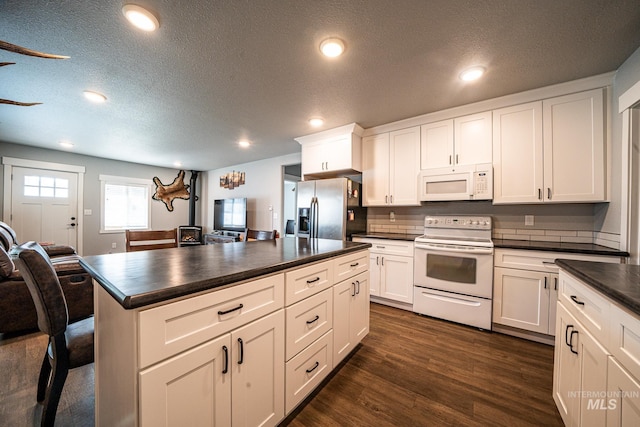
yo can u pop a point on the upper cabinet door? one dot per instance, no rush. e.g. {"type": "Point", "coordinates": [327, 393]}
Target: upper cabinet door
{"type": "Point", "coordinates": [473, 139]}
{"type": "Point", "coordinates": [404, 156]}
{"type": "Point", "coordinates": [574, 147]}
{"type": "Point", "coordinates": [375, 170]}
{"type": "Point", "coordinates": [517, 154]}
{"type": "Point", "coordinates": [436, 145]}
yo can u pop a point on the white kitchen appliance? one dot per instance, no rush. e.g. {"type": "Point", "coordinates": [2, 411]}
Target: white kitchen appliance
{"type": "Point", "coordinates": [467, 182]}
{"type": "Point", "coordinates": [453, 270]}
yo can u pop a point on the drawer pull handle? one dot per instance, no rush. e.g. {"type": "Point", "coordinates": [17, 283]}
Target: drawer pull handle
{"type": "Point", "coordinates": [315, 319]}
{"type": "Point", "coordinates": [241, 359]}
{"type": "Point", "coordinates": [355, 264]}
{"type": "Point", "coordinates": [575, 299]}
{"type": "Point", "coordinates": [548, 263]}
{"type": "Point", "coordinates": [231, 310]}
{"type": "Point", "coordinates": [317, 279]}
{"type": "Point", "coordinates": [315, 366]}
{"type": "Point", "coordinates": [226, 359]}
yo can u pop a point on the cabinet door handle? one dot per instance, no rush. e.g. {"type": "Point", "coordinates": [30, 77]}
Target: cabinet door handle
{"type": "Point", "coordinates": [539, 193]}
{"type": "Point", "coordinates": [555, 283]}
{"type": "Point", "coordinates": [576, 300]}
{"type": "Point", "coordinates": [386, 200]}
{"type": "Point", "coordinates": [353, 294]}
{"type": "Point", "coordinates": [571, 342]}
{"type": "Point", "coordinates": [315, 366]}
{"type": "Point", "coordinates": [226, 359]}
{"type": "Point", "coordinates": [354, 265]}
{"type": "Point", "coordinates": [382, 261]}
{"type": "Point", "coordinates": [566, 334]}
{"type": "Point", "coordinates": [315, 319]}
{"type": "Point", "coordinates": [449, 158]}
{"type": "Point", "coordinates": [391, 198]}
{"type": "Point", "coordinates": [549, 193]}
{"type": "Point", "coordinates": [457, 159]}
{"type": "Point", "coordinates": [545, 282]}
{"type": "Point", "coordinates": [377, 259]}
{"type": "Point", "coordinates": [231, 310]}
{"type": "Point", "coordinates": [241, 344]}
{"type": "Point", "coordinates": [358, 284]}
{"type": "Point", "coordinates": [313, 280]}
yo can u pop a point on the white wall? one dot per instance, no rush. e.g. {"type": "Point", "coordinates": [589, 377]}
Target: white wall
{"type": "Point", "coordinates": [263, 188]}
{"type": "Point", "coordinates": [95, 243]}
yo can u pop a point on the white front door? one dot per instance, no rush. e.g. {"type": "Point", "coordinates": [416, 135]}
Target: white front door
{"type": "Point", "coordinates": [44, 206]}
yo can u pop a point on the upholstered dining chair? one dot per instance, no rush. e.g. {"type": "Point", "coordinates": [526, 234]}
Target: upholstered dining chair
{"type": "Point", "coordinates": [70, 345]}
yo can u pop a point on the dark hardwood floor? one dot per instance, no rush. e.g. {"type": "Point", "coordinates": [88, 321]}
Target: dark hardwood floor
{"type": "Point", "coordinates": [409, 371]}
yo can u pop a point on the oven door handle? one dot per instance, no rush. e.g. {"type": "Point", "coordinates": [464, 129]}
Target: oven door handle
{"type": "Point", "coordinates": [468, 250]}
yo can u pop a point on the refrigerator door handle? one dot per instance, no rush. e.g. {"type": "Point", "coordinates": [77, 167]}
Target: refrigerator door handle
{"type": "Point", "coordinates": [316, 223]}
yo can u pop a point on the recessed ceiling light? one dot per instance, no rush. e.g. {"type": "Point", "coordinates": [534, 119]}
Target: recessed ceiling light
{"type": "Point", "coordinates": [332, 47]}
{"type": "Point", "coordinates": [316, 121]}
{"type": "Point", "coordinates": [177, 164]}
{"type": "Point", "coordinates": [94, 96]}
{"type": "Point", "coordinates": [471, 74]}
{"type": "Point", "coordinates": [244, 143]}
{"type": "Point", "coordinates": [65, 144]}
{"type": "Point", "coordinates": [140, 17]}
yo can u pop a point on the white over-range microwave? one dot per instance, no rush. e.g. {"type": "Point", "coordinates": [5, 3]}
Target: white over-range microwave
{"type": "Point", "coordinates": [469, 182]}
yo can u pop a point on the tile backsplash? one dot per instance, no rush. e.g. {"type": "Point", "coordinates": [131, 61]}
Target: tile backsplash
{"type": "Point", "coordinates": [553, 223]}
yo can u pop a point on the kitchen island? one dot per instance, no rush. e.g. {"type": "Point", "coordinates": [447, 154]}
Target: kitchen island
{"type": "Point", "coordinates": [197, 335]}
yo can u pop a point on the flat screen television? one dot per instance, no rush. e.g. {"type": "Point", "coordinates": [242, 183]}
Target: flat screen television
{"type": "Point", "coordinates": [230, 214]}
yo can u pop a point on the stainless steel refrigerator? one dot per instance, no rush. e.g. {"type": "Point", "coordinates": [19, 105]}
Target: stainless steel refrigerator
{"type": "Point", "coordinates": [330, 209]}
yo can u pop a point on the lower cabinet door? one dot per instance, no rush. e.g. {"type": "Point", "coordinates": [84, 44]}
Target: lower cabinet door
{"type": "Point", "coordinates": [397, 281]}
{"type": "Point", "coordinates": [566, 367]}
{"type": "Point", "coordinates": [189, 389]}
{"type": "Point", "coordinates": [342, 340]}
{"type": "Point", "coordinates": [257, 365]}
{"type": "Point", "coordinates": [307, 369]}
{"type": "Point", "coordinates": [623, 397]}
{"type": "Point", "coordinates": [360, 309]}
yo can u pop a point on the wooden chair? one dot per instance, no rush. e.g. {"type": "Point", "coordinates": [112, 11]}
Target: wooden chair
{"type": "Point", "coordinates": [70, 345]}
{"type": "Point", "coordinates": [151, 239]}
{"type": "Point", "coordinates": [261, 235]}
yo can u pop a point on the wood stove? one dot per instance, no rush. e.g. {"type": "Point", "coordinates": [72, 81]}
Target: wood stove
{"type": "Point", "coordinates": [189, 235]}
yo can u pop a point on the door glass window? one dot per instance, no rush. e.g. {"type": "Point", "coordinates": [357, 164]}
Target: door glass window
{"type": "Point", "coordinates": [452, 268]}
{"type": "Point", "coordinates": [45, 186]}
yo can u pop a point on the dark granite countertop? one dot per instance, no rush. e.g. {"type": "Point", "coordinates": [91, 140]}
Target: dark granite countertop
{"type": "Point", "coordinates": [389, 236]}
{"type": "Point", "coordinates": [620, 282]}
{"type": "Point", "coordinates": [577, 248]}
{"type": "Point", "coordinates": [136, 279]}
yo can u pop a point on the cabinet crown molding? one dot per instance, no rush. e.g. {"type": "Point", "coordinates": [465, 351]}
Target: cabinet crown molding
{"type": "Point", "coordinates": [331, 134]}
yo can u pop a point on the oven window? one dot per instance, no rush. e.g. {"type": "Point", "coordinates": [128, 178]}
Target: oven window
{"type": "Point", "coordinates": [451, 268]}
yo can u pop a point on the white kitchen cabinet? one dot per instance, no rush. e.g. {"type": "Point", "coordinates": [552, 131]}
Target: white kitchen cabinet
{"type": "Point", "coordinates": [623, 396]}
{"type": "Point", "coordinates": [517, 152]}
{"type": "Point", "coordinates": [525, 299]}
{"type": "Point", "coordinates": [526, 285]}
{"type": "Point", "coordinates": [580, 372]}
{"type": "Point", "coordinates": [555, 147]}
{"type": "Point", "coordinates": [350, 315]}
{"type": "Point", "coordinates": [234, 379]}
{"type": "Point", "coordinates": [391, 163]}
{"type": "Point", "coordinates": [391, 271]}
{"type": "Point", "coordinates": [456, 142]}
{"type": "Point", "coordinates": [193, 388]}
{"type": "Point", "coordinates": [332, 152]}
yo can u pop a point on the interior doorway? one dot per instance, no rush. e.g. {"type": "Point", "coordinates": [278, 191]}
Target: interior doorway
{"type": "Point", "coordinates": [291, 176]}
{"type": "Point", "coordinates": [634, 184]}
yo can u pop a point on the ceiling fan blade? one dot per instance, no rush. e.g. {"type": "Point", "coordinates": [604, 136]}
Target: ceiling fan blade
{"type": "Point", "coordinates": [24, 51]}
{"type": "Point", "coordinates": [20, 104]}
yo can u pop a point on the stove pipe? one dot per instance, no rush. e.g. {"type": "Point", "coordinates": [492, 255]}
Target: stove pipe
{"type": "Point", "coordinates": [193, 198]}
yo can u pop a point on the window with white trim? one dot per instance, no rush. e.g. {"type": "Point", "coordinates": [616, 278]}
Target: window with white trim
{"type": "Point", "coordinates": [125, 204]}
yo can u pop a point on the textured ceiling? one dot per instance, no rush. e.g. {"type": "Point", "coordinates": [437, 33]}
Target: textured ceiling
{"type": "Point", "coordinates": [219, 71]}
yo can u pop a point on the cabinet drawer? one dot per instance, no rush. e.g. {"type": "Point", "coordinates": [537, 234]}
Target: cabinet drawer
{"type": "Point", "coordinates": [624, 339]}
{"type": "Point", "coordinates": [350, 265]}
{"type": "Point", "coordinates": [169, 329]}
{"type": "Point", "coordinates": [586, 305]}
{"type": "Point", "coordinates": [305, 371]}
{"type": "Point", "coordinates": [541, 260]}
{"type": "Point", "coordinates": [306, 281]}
{"type": "Point", "coordinates": [390, 247]}
{"type": "Point", "coordinates": [307, 321]}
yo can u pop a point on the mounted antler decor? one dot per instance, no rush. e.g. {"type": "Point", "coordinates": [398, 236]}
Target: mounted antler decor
{"type": "Point", "coordinates": [167, 193]}
{"type": "Point", "coordinates": [24, 51]}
